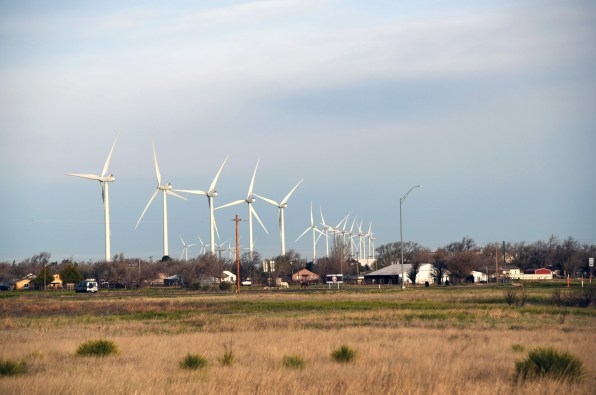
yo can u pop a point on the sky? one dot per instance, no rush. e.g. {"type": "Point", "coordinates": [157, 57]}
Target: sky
{"type": "Point", "coordinates": [489, 105]}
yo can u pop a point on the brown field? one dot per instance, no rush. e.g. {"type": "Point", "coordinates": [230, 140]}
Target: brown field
{"type": "Point", "coordinates": [419, 341]}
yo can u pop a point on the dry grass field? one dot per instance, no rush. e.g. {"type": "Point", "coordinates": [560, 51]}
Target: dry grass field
{"type": "Point", "coordinates": [418, 341]}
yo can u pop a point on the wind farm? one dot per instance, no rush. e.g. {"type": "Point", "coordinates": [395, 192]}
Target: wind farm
{"type": "Point", "coordinates": [214, 245]}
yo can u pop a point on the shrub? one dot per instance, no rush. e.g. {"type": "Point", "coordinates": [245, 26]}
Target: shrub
{"type": "Point", "coordinates": [581, 297]}
{"type": "Point", "coordinates": [343, 354]}
{"type": "Point", "coordinates": [511, 296]}
{"type": "Point", "coordinates": [547, 362]}
{"type": "Point", "coordinates": [11, 368]}
{"type": "Point", "coordinates": [517, 347]}
{"type": "Point", "coordinates": [556, 297]}
{"type": "Point", "coordinates": [227, 358]}
{"type": "Point", "coordinates": [293, 362]}
{"type": "Point", "coordinates": [224, 286]}
{"type": "Point", "coordinates": [97, 348]}
{"type": "Point", "coordinates": [193, 361]}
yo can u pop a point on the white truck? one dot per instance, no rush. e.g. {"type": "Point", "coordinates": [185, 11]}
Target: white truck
{"type": "Point", "coordinates": [89, 285]}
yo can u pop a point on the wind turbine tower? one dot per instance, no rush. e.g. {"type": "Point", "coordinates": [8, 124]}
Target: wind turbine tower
{"type": "Point", "coordinates": [103, 179]}
{"type": "Point", "coordinates": [210, 193]}
{"type": "Point", "coordinates": [165, 189]}
{"type": "Point", "coordinates": [250, 198]}
{"type": "Point", "coordinates": [281, 206]}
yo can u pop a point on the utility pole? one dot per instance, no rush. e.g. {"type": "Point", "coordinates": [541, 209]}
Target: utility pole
{"type": "Point", "coordinates": [236, 219]}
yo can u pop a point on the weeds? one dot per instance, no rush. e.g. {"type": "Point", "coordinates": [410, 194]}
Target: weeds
{"type": "Point", "coordinates": [293, 362]}
{"type": "Point", "coordinates": [344, 354]}
{"type": "Point", "coordinates": [547, 362]}
{"type": "Point", "coordinates": [516, 296]}
{"type": "Point", "coordinates": [11, 368]}
{"type": "Point", "coordinates": [517, 347]}
{"type": "Point", "coordinates": [97, 348]}
{"type": "Point", "coordinates": [227, 358]}
{"type": "Point", "coordinates": [193, 361]}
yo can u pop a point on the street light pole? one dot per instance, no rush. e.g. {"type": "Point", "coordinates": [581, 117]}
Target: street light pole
{"type": "Point", "coordinates": [401, 238]}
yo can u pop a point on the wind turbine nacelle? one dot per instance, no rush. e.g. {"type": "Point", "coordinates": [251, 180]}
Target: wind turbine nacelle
{"type": "Point", "coordinates": [212, 193]}
{"type": "Point", "coordinates": [109, 178]}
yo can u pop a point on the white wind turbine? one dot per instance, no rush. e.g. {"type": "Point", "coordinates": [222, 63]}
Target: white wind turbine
{"type": "Point", "coordinates": [314, 229]}
{"type": "Point", "coordinates": [103, 179]}
{"type": "Point", "coordinates": [166, 189]}
{"type": "Point", "coordinates": [369, 237]}
{"type": "Point", "coordinates": [326, 229]}
{"type": "Point", "coordinates": [250, 198]}
{"type": "Point", "coordinates": [361, 253]}
{"type": "Point", "coordinates": [281, 206]}
{"type": "Point", "coordinates": [352, 235]}
{"type": "Point", "coordinates": [185, 249]}
{"type": "Point", "coordinates": [210, 193]}
{"type": "Point", "coordinates": [203, 246]}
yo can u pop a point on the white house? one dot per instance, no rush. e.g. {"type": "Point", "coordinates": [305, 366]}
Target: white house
{"type": "Point", "coordinates": [228, 277]}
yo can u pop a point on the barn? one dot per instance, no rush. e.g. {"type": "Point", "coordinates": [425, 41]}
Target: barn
{"type": "Point", "coordinates": [388, 275]}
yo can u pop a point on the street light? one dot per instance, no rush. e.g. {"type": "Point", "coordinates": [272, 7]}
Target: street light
{"type": "Point", "coordinates": [401, 239]}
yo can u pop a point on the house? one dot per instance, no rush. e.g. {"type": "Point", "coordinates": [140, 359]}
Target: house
{"type": "Point", "coordinates": [535, 274]}
{"type": "Point", "coordinates": [172, 281]}
{"type": "Point", "coordinates": [25, 283]}
{"type": "Point", "coordinates": [306, 276]}
{"type": "Point", "coordinates": [228, 277]}
{"type": "Point", "coordinates": [392, 274]}
{"type": "Point", "coordinates": [56, 282]}
{"type": "Point", "coordinates": [388, 275]}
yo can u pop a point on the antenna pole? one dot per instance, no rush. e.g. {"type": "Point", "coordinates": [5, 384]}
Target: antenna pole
{"type": "Point", "coordinates": [236, 219]}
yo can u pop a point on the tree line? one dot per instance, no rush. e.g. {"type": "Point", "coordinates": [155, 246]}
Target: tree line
{"type": "Point", "coordinates": [566, 256]}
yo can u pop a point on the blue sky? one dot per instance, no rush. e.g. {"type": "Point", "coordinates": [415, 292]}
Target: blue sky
{"type": "Point", "coordinates": [489, 105]}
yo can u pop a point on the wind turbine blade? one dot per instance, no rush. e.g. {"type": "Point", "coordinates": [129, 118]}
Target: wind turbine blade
{"type": "Point", "coordinates": [157, 173]}
{"type": "Point", "coordinates": [183, 243]}
{"type": "Point", "coordinates": [212, 187]}
{"type": "Point", "coordinates": [107, 164]}
{"type": "Point", "coordinates": [312, 221]}
{"type": "Point", "coordinates": [273, 202]}
{"type": "Point", "coordinates": [322, 219]}
{"type": "Point", "coordinates": [87, 176]}
{"type": "Point", "coordinates": [252, 181]}
{"type": "Point", "coordinates": [215, 226]}
{"type": "Point", "coordinates": [230, 204]}
{"type": "Point", "coordinates": [193, 192]}
{"type": "Point", "coordinates": [254, 212]}
{"type": "Point", "coordinates": [172, 193]}
{"type": "Point", "coordinates": [303, 233]}
{"type": "Point", "coordinates": [147, 206]}
{"type": "Point", "coordinates": [290, 193]}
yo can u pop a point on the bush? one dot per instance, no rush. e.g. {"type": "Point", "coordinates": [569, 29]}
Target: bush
{"type": "Point", "coordinates": [193, 361]}
{"type": "Point", "coordinates": [581, 297]}
{"type": "Point", "coordinates": [343, 354]}
{"type": "Point", "coordinates": [547, 362]}
{"type": "Point", "coordinates": [11, 368]}
{"type": "Point", "coordinates": [516, 296]}
{"type": "Point", "coordinates": [97, 348]}
{"type": "Point", "coordinates": [224, 286]}
{"type": "Point", "coordinates": [227, 358]}
{"type": "Point", "coordinates": [293, 362]}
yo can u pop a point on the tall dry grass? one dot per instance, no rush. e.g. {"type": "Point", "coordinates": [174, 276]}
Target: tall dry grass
{"type": "Point", "coordinates": [421, 354]}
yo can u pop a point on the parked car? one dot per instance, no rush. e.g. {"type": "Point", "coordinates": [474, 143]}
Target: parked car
{"type": "Point", "coordinates": [89, 285]}
{"type": "Point", "coordinates": [246, 282]}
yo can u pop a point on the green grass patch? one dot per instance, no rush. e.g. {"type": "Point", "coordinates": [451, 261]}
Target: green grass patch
{"type": "Point", "coordinates": [193, 362]}
{"type": "Point", "coordinates": [550, 363]}
{"type": "Point", "coordinates": [12, 368]}
{"type": "Point", "coordinates": [97, 348]}
{"type": "Point", "coordinates": [227, 358]}
{"type": "Point", "coordinates": [344, 354]}
{"type": "Point", "coordinates": [293, 362]}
